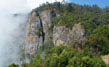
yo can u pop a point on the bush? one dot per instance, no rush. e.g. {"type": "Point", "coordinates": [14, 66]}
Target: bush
{"type": "Point", "coordinates": [98, 42]}
{"type": "Point", "coordinates": [86, 61]}
{"type": "Point", "coordinates": [68, 57]}
{"type": "Point", "coordinates": [63, 56]}
{"type": "Point", "coordinates": [47, 46]}
{"type": "Point", "coordinates": [13, 65]}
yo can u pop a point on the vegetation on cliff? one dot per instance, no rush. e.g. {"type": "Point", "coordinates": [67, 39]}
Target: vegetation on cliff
{"type": "Point", "coordinates": [76, 54]}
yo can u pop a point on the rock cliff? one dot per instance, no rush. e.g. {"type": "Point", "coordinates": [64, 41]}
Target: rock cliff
{"type": "Point", "coordinates": [40, 29]}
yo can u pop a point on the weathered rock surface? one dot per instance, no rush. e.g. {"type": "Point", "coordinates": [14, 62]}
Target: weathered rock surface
{"type": "Point", "coordinates": [34, 37]}
{"type": "Point", "coordinates": [40, 29]}
{"type": "Point", "coordinates": [64, 35]}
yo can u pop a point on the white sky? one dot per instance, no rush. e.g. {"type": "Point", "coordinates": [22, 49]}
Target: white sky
{"type": "Point", "coordinates": [13, 5]}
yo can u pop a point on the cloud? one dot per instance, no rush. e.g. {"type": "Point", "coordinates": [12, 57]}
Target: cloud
{"type": "Point", "coordinates": [8, 25]}
{"type": "Point", "coordinates": [13, 5]}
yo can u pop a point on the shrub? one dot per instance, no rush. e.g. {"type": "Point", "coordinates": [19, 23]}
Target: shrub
{"type": "Point", "coordinates": [47, 46]}
{"type": "Point", "coordinates": [98, 42]}
{"type": "Point", "coordinates": [13, 65]}
{"type": "Point", "coordinates": [86, 61]}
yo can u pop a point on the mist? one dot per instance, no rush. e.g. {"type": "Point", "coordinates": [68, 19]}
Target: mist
{"type": "Point", "coordinates": [10, 30]}
{"type": "Point", "coordinates": [13, 20]}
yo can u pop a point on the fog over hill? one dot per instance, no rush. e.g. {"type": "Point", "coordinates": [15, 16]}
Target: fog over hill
{"type": "Point", "coordinates": [9, 29]}
{"type": "Point", "coordinates": [13, 13]}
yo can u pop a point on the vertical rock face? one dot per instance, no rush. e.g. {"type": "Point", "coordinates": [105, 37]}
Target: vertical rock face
{"type": "Point", "coordinates": [31, 37]}
{"type": "Point", "coordinates": [64, 35]}
{"type": "Point", "coordinates": [40, 29]}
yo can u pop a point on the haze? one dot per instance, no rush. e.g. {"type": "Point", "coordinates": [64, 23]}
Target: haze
{"type": "Point", "coordinates": [9, 27]}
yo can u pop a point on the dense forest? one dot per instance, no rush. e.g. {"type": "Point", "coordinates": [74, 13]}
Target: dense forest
{"type": "Point", "coordinates": [89, 52]}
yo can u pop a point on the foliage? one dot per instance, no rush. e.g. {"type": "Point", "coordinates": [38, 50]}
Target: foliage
{"type": "Point", "coordinates": [86, 61]}
{"type": "Point", "coordinates": [47, 46]}
{"type": "Point", "coordinates": [63, 56]}
{"type": "Point", "coordinates": [98, 42]}
{"type": "Point", "coordinates": [13, 65]}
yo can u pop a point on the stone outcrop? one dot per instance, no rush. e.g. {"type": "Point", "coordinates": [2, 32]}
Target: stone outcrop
{"type": "Point", "coordinates": [40, 29]}
{"type": "Point", "coordinates": [64, 35]}
{"type": "Point", "coordinates": [37, 30]}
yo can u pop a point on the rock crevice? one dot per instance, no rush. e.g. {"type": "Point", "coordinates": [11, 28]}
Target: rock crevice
{"type": "Point", "coordinates": [40, 29]}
